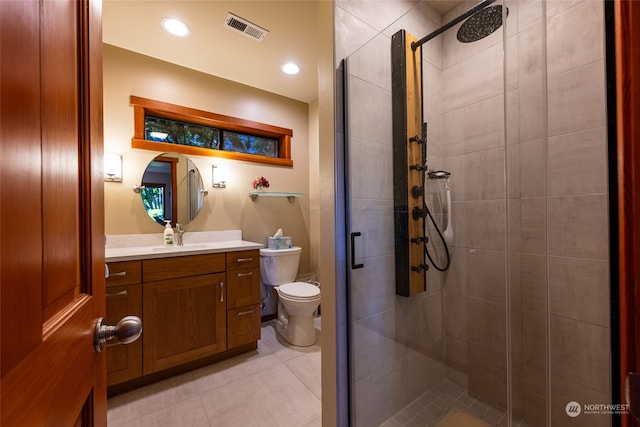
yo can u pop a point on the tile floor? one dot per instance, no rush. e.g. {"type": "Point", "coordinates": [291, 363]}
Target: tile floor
{"type": "Point", "coordinates": [434, 404]}
{"type": "Point", "coordinates": [276, 385]}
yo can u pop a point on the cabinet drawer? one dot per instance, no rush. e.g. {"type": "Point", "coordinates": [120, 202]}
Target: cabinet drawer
{"type": "Point", "coordinates": [183, 266]}
{"type": "Point", "coordinates": [124, 362]}
{"type": "Point", "coordinates": [124, 273]}
{"type": "Point", "coordinates": [243, 259]}
{"type": "Point", "coordinates": [243, 287]}
{"type": "Point", "coordinates": [243, 325]}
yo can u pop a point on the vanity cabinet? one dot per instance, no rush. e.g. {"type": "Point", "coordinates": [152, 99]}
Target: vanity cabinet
{"type": "Point", "coordinates": [243, 297]}
{"type": "Point", "coordinates": [184, 308]}
{"type": "Point", "coordinates": [124, 298]}
{"type": "Point", "coordinates": [195, 309]}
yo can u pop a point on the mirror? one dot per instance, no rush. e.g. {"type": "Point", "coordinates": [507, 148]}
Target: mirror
{"type": "Point", "coordinates": [172, 189]}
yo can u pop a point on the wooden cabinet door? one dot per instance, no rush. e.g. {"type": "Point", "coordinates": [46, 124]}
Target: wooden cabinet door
{"type": "Point", "coordinates": [243, 302]}
{"type": "Point", "coordinates": [243, 287]}
{"type": "Point", "coordinates": [243, 325]}
{"type": "Point", "coordinates": [124, 362]}
{"type": "Point", "coordinates": [51, 213]}
{"type": "Point", "coordinates": [185, 320]}
{"type": "Point", "coordinates": [124, 298]}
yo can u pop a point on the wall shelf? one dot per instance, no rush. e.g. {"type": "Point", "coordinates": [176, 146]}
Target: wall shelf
{"type": "Point", "coordinates": [290, 196]}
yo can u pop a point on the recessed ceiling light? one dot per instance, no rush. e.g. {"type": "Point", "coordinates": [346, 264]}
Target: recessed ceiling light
{"type": "Point", "coordinates": [175, 27]}
{"type": "Point", "coordinates": [290, 68]}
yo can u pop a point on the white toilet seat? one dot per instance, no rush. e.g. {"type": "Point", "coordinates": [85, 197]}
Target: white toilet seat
{"type": "Point", "coordinates": [299, 291]}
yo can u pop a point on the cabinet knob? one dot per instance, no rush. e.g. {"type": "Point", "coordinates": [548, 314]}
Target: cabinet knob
{"type": "Point", "coordinates": [126, 331]}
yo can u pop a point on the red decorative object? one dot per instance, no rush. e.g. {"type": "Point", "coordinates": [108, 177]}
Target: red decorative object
{"type": "Point", "coordinates": [260, 183]}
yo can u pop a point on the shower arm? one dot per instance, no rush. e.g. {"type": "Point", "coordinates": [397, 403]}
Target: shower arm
{"type": "Point", "coordinates": [415, 45]}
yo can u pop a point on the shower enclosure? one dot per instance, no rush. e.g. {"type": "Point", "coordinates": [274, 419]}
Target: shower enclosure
{"type": "Point", "coordinates": [517, 330]}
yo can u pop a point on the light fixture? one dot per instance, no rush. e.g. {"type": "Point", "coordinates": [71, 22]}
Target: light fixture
{"type": "Point", "coordinates": [112, 167]}
{"type": "Point", "coordinates": [221, 176]}
{"type": "Point", "coordinates": [290, 68]}
{"type": "Point", "coordinates": [175, 27]}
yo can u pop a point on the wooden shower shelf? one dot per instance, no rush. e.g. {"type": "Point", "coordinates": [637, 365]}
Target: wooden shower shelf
{"type": "Point", "coordinates": [290, 196]}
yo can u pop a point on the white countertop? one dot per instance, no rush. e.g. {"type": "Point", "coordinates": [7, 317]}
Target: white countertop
{"type": "Point", "coordinates": [123, 247]}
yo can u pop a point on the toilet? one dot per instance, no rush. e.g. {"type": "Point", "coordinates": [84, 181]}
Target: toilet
{"type": "Point", "coordinates": [298, 301]}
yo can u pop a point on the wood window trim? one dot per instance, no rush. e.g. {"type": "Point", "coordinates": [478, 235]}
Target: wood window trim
{"type": "Point", "coordinates": [192, 115]}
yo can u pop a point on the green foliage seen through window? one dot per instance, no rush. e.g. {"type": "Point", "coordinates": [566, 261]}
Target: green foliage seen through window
{"type": "Point", "coordinates": [182, 133]}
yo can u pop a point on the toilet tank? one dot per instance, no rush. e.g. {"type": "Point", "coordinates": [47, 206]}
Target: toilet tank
{"type": "Point", "coordinates": [278, 266]}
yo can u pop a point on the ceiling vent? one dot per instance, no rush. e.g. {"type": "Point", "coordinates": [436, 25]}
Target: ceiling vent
{"type": "Point", "coordinates": [235, 23]}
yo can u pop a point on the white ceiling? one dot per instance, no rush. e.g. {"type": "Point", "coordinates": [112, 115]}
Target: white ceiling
{"type": "Point", "coordinates": [213, 49]}
{"type": "Point", "coordinates": [444, 6]}
{"type": "Point", "coordinates": [210, 48]}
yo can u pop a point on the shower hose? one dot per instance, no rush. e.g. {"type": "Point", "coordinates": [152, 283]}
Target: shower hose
{"type": "Point", "coordinates": [444, 242]}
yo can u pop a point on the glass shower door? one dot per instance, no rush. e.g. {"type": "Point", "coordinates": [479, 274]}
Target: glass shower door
{"type": "Point", "coordinates": [396, 343]}
{"type": "Point", "coordinates": [377, 386]}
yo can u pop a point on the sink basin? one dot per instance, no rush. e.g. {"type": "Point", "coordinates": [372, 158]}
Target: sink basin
{"type": "Point", "coordinates": [187, 247]}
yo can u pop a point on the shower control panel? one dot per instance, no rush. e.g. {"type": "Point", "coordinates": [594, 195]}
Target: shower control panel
{"type": "Point", "coordinates": [409, 166]}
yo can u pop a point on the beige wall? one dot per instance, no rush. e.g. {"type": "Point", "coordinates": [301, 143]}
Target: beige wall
{"type": "Point", "coordinates": [127, 73]}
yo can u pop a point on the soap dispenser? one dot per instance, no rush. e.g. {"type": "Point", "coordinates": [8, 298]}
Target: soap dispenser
{"type": "Point", "coordinates": [168, 234]}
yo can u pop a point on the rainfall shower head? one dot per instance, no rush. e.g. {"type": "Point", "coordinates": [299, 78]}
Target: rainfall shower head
{"type": "Point", "coordinates": [481, 24]}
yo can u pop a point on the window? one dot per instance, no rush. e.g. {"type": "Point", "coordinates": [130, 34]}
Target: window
{"type": "Point", "coordinates": [174, 132]}
{"type": "Point", "coordinates": [166, 127]}
{"type": "Point", "coordinates": [241, 143]}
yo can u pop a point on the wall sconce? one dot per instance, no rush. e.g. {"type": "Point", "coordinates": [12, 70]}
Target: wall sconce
{"type": "Point", "coordinates": [220, 175]}
{"type": "Point", "coordinates": [112, 167]}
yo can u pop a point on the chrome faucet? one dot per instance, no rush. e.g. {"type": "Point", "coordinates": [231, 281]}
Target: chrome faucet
{"type": "Point", "coordinates": [179, 233]}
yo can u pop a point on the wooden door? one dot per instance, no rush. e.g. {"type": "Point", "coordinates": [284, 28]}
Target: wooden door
{"type": "Point", "coordinates": [627, 20]}
{"type": "Point", "coordinates": [51, 213]}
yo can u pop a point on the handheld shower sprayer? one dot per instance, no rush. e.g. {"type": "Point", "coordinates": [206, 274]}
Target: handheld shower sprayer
{"type": "Point", "coordinates": [448, 231]}
{"type": "Point", "coordinates": [447, 236]}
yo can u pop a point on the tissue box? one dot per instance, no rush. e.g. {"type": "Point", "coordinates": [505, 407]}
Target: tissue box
{"type": "Point", "coordinates": [279, 242]}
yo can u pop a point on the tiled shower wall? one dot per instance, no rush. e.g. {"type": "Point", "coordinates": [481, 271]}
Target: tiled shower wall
{"type": "Point", "coordinates": [572, 206]}
{"type": "Point", "coordinates": [473, 149]}
{"type": "Point", "coordinates": [556, 198]}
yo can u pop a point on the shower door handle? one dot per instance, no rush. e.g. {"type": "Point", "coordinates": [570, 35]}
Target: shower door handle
{"type": "Point", "coordinates": [353, 251]}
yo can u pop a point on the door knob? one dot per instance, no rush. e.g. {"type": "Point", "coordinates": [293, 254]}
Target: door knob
{"type": "Point", "coordinates": [126, 331]}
